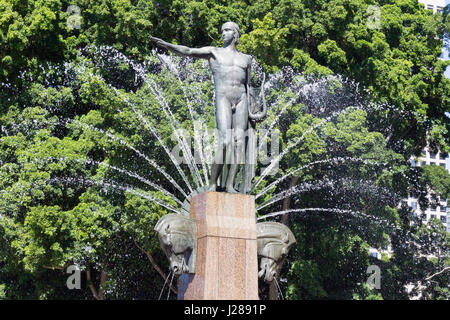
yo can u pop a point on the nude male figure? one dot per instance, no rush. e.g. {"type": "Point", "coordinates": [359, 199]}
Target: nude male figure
{"type": "Point", "coordinates": [231, 72]}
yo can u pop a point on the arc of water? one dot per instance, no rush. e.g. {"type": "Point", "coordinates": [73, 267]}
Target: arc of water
{"type": "Point", "coordinates": [307, 186]}
{"type": "Point", "coordinates": [206, 141]}
{"type": "Point", "coordinates": [359, 214]}
{"type": "Point", "coordinates": [164, 286]}
{"type": "Point", "coordinates": [292, 145]}
{"type": "Point", "coordinates": [140, 154]}
{"type": "Point", "coordinates": [128, 173]}
{"type": "Point", "coordinates": [156, 135]}
{"type": "Point", "coordinates": [274, 122]}
{"type": "Point", "coordinates": [274, 214]}
{"type": "Point", "coordinates": [171, 280]}
{"type": "Point", "coordinates": [354, 213]}
{"type": "Point", "coordinates": [202, 156]}
{"type": "Point", "coordinates": [167, 111]}
{"type": "Point", "coordinates": [278, 158]}
{"type": "Point", "coordinates": [175, 71]}
{"type": "Point", "coordinates": [186, 149]}
{"type": "Point", "coordinates": [134, 175]}
{"type": "Point", "coordinates": [335, 160]}
{"type": "Point", "coordinates": [113, 185]}
{"type": "Point", "coordinates": [280, 293]}
{"type": "Point", "coordinates": [131, 190]}
{"type": "Point", "coordinates": [189, 104]}
{"type": "Point", "coordinates": [171, 157]}
{"type": "Point", "coordinates": [334, 210]}
{"type": "Point", "coordinates": [294, 190]}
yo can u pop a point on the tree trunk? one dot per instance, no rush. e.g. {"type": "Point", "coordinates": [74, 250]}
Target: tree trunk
{"type": "Point", "coordinates": [100, 293]}
{"type": "Point", "coordinates": [155, 265]}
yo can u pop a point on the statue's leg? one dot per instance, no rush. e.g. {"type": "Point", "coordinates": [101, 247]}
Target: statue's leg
{"type": "Point", "coordinates": [223, 122]}
{"type": "Point", "coordinates": [240, 122]}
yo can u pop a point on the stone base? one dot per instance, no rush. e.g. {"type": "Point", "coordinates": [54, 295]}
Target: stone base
{"type": "Point", "coordinates": [227, 265]}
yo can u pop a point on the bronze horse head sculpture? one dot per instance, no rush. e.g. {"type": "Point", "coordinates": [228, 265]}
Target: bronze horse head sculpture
{"type": "Point", "coordinates": [178, 238]}
{"type": "Point", "coordinates": [274, 241]}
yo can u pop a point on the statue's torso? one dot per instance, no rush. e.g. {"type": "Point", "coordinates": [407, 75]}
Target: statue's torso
{"type": "Point", "coordinates": [229, 69]}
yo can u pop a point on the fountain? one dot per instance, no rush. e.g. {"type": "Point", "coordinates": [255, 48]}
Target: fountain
{"type": "Point", "coordinates": [209, 230]}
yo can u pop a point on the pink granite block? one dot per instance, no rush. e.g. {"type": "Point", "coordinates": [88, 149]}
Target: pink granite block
{"type": "Point", "coordinates": [211, 268]}
{"type": "Point", "coordinates": [251, 270]}
{"type": "Point", "coordinates": [226, 265]}
{"type": "Point", "coordinates": [232, 269]}
{"type": "Point", "coordinates": [225, 215]}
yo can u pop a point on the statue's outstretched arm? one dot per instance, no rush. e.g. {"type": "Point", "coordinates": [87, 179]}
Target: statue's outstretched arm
{"type": "Point", "coordinates": [203, 53]}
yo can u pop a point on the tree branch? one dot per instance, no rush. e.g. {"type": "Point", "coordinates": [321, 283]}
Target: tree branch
{"type": "Point", "coordinates": [437, 273]}
{"type": "Point", "coordinates": [101, 289]}
{"type": "Point", "coordinates": [155, 265]}
{"type": "Point", "coordinates": [100, 294]}
{"type": "Point", "coordinates": [90, 284]}
{"type": "Point", "coordinates": [53, 268]}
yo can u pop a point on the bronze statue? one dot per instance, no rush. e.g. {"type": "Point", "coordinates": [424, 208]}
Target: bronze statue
{"type": "Point", "coordinates": [234, 117]}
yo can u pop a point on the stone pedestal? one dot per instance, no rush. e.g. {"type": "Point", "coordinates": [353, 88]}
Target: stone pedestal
{"type": "Point", "coordinates": [227, 265]}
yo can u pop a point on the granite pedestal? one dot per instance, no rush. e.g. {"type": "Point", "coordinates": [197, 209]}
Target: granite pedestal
{"type": "Point", "coordinates": [226, 265]}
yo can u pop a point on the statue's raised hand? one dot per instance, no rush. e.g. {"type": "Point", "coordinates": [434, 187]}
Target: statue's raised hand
{"type": "Point", "coordinates": [158, 42]}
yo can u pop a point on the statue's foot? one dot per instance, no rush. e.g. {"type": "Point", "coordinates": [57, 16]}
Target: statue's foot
{"type": "Point", "coordinates": [212, 187]}
{"type": "Point", "coordinates": [230, 189]}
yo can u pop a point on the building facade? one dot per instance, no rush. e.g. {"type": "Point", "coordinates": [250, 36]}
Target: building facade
{"type": "Point", "coordinates": [435, 5]}
{"type": "Point", "coordinates": [438, 208]}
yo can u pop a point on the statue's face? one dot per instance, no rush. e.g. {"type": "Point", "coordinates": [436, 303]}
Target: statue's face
{"type": "Point", "coordinates": [228, 33]}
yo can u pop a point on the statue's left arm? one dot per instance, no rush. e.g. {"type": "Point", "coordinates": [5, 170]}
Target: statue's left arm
{"type": "Point", "coordinates": [256, 115]}
{"type": "Point", "coordinates": [247, 82]}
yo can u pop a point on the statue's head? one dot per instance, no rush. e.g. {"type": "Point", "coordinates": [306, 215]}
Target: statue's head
{"type": "Point", "coordinates": [231, 26]}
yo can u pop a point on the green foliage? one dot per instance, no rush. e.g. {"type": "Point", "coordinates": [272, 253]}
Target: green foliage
{"type": "Point", "coordinates": [328, 263]}
{"type": "Point", "coordinates": [367, 294]}
{"type": "Point", "coordinates": [266, 41]}
{"type": "Point", "coordinates": [62, 199]}
{"type": "Point", "coordinates": [303, 61]}
{"type": "Point", "coordinates": [53, 237]}
{"type": "Point", "coordinates": [436, 178]}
